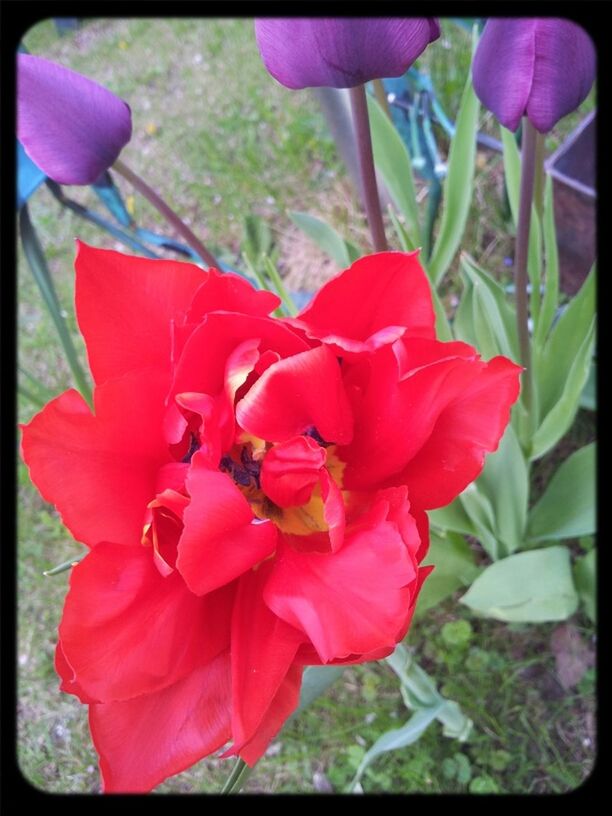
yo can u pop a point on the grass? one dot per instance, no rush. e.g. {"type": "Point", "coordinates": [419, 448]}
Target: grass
{"type": "Point", "coordinates": [218, 147]}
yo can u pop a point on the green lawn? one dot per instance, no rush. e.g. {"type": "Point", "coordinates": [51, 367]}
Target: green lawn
{"type": "Point", "coordinates": [220, 139]}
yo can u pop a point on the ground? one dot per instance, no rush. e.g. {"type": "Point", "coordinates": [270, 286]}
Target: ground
{"type": "Point", "coordinates": [220, 139]}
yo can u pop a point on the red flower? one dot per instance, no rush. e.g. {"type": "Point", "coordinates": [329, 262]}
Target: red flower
{"type": "Point", "coordinates": [252, 490]}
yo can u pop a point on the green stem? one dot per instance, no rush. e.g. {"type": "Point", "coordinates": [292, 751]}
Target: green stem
{"type": "Point", "coordinates": [168, 213]}
{"type": "Point", "coordinates": [361, 123]}
{"type": "Point", "coordinates": [528, 168]}
{"type": "Point", "coordinates": [237, 778]}
{"type": "Point", "coordinates": [38, 264]}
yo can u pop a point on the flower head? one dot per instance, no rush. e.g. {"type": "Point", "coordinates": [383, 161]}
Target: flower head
{"type": "Point", "coordinates": [252, 490]}
{"type": "Point", "coordinates": [70, 126]}
{"type": "Point", "coordinates": [539, 68]}
{"type": "Point", "coordinates": [341, 52]}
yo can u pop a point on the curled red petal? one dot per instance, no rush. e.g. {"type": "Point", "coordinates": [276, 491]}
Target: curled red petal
{"type": "Point", "coordinates": [296, 394]}
{"type": "Point", "coordinates": [143, 741]}
{"type": "Point", "coordinates": [100, 470]}
{"type": "Point", "coordinates": [290, 470]}
{"type": "Point", "coordinates": [125, 305]}
{"type": "Point", "coordinates": [127, 631]}
{"type": "Point", "coordinates": [221, 538]}
{"type": "Point", "coordinates": [230, 293]}
{"type": "Point", "coordinates": [372, 303]}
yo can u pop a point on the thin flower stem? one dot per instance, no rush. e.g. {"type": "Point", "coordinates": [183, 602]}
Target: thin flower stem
{"type": "Point", "coordinates": [538, 188]}
{"type": "Point", "coordinates": [363, 138]}
{"type": "Point", "coordinates": [280, 286]}
{"type": "Point", "coordinates": [38, 264]}
{"type": "Point", "coordinates": [65, 565]}
{"type": "Point", "coordinates": [239, 775]}
{"type": "Point", "coordinates": [528, 172]}
{"type": "Point", "coordinates": [169, 214]}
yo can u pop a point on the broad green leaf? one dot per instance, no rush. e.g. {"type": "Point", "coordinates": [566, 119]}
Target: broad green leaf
{"type": "Point", "coordinates": [553, 362]}
{"type": "Point", "coordinates": [392, 161]}
{"type": "Point", "coordinates": [560, 417]}
{"type": "Point", "coordinates": [505, 482]}
{"type": "Point", "coordinates": [452, 517]}
{"type": "Point", "coordinates": [315, 681]}
{"type": "Point", "coordinates": [458, 185]}
{"type": "Point", "coordinates": [585, 571]}
{"type": "Point", "coordinates": [551, 283]}
{"type": "Point", "coordinates": [327, 238]}
{"type": "Point", "coordinates": [567, 508]}
{"type": "Point", "coordinates": [494, 320]}
{"type": "Point", "coordinates": [526, 587]}
{"type": "Point", "coordinates": [512, 171]}
{"type": "Point", "coordinates": [453, 560]}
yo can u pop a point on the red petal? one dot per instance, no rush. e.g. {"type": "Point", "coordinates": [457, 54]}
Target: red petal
{"type": "Point", "coordinates": [127, 631]}
{"type": "Point", "coordinates": [290, 470]}
{"type": "Point", "coordinates": [297, 393]}
{"type": "Point", "coordinates": [124, 307]}
{"type": "Point", "coordinates": [100, 471]}
{"type": "Point", "coordinates": [285, 702]}
{"type": "Point", "coordinates": [201, 366]}
{"type": "Point", "coordinates": [333, 509]}
{"type": "Point", "coordinates": [221, 538]}
{"type": "Point", "coordinates": [263, 648]}
{"type": "Point", "coordinates": [230, 293]}
{"type": "Point", "coordinates": [375, 301]}
{"type": "Point", "coordinates": [352, 601]}
{"type": "Point", "coordinates": [143, 741]}
{"type": "Point", "coordinates": [470, 426]}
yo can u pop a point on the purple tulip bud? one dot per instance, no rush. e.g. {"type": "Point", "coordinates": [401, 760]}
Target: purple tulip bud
{"type": "Point", "coordinates": [539, 68]}
{"type": "Point", "coordinates": [341, 52]}
{"type": "Point", "coordinates": [70, 126]}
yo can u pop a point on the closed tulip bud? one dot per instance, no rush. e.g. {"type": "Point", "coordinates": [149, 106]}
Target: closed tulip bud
{"type": "Point", "coordinates": [341, 52]}
{"type": "Point", "coordinates": [70, 126]}
{"type": "Point", "coordinates": [538, 68]}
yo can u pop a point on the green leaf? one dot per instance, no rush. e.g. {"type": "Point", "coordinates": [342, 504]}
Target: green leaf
{"type": "Point", "coordinates": [505, 482]}
{"type": "Point", "coordinates": [453, 560]}
{"type": "Point", "coordinates": [552, 364]}
{"type": "Point", "coordinates": [494, 320]}
{"type": "Point", "coordinates": [480, 511]}
{"type": "Point", "coordinates": [392, 161]}
{"type": "Point", "coordinates": [463, 323]}
{"type": "Point", "coordinates": [258, 237]}
{"type": "Point", "coordinates": [588, 398]}
{"type": "Point", "coordinates": [560, 417]}
{"type": "Point", "coordinates": [458, 185]}
{"type": "Point", "coordinates": [452, 517]}
{"type": "Point", "coordinates": [315, 681]}
{"type": "Point", "coordinates": [551, 284]}
{"type": "Point", "coordinates": [527, 587]}
{"type": "Point", "coordinates": [401, 232]}
{"type": "Point", "coordinates": [398, 738]}
{"type": "Point", "coordinates": [567, 508]}
{"type": "Point", "coordinates": [327, 238]}
{"type": "Point", "coordinates": [585, 571]}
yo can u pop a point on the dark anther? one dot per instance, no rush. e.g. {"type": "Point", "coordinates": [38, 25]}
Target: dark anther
{"type": "Point", "coordinates": [314, 434]}
{"type": "Point", "coordinates": [245, 475]}
{"type": "Point", "coordinates": [194, 445]}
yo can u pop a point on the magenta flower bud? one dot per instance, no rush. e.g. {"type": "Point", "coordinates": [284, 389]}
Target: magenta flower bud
{"type": "Point", "coordinates": [70, 126]}
{"type": "Point", "coordinates": [538, 68]}
{"type": "Point", "coordinates": [341, 52]}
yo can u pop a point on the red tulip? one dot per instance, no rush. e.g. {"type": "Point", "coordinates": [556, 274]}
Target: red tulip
{"type": "Point", "coordinates": [341, 52]}
{"type": "Point", "coordinates": [252, 490]}
{"type": "Point", "coordinates": [538, 68]}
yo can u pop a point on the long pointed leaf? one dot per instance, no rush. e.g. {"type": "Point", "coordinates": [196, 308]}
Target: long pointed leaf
{"type": "Point", "coordinates": [551, 283]}
{"type": "Point", "coordinates": [458, 185]}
